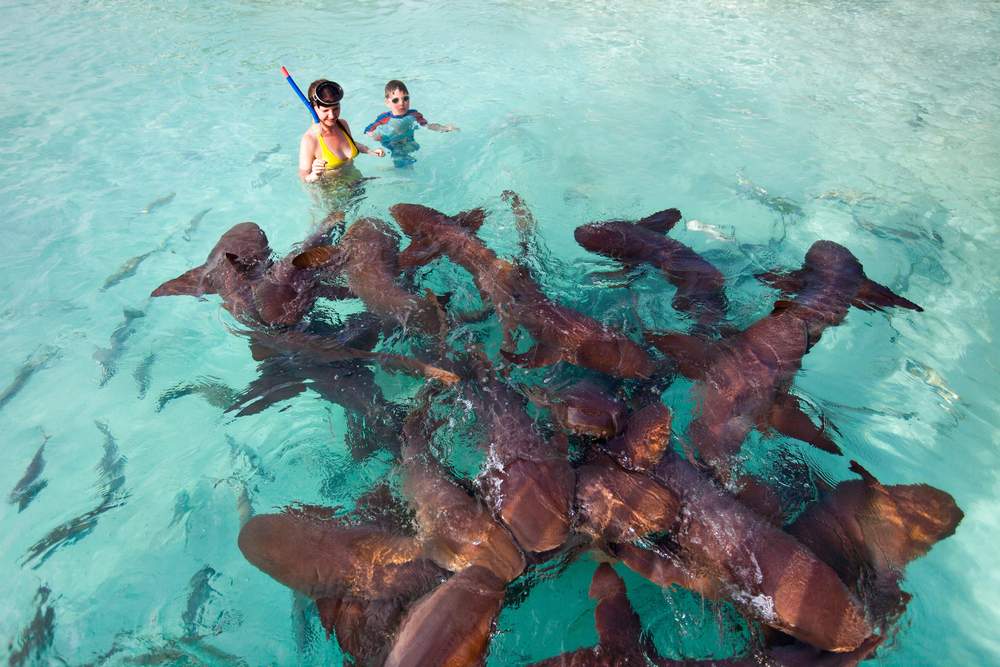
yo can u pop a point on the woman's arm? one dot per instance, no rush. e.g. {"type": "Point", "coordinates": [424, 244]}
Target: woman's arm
{"type": "Point", "coordinates": [310, 167]}
{"type": "Point", "coordinates": [378, 152]}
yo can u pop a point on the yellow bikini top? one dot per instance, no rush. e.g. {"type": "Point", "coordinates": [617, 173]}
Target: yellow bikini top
{"type": "Point", "coordinates": [332, 159]}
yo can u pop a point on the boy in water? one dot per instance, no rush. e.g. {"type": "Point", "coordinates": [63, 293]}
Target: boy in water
{"type": "Point", "coordinates": [394, 129]}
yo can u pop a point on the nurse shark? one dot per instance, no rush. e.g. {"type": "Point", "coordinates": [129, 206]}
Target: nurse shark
{"type": "Point", "coordinates": [700, 286]}
{"type": "Point", "coordinates": [561, 333]}
{"type": "Point", "coordinates": [368, 255]}
{"type": "Point", "coordinates": [256, 289]}
{"type": "Point", "coordinates": [743, 381]}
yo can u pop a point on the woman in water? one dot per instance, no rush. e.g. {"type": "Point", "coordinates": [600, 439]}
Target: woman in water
{"type": "Point", "coordinates": [327, 147]}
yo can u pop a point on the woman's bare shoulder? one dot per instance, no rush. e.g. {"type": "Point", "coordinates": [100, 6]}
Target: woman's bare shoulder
{"type": "Point", "coordinates": [309, 136]}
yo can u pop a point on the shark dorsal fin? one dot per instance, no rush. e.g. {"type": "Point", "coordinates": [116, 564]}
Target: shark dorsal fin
{"type": "Point", "coordinates": [661, 222]}
{"type": "Point", "coordinates": [317, 257]}
{"type": "Point", "coordinates": [471, 220]}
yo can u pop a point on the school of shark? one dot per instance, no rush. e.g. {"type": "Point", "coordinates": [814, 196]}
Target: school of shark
{"type": "Point", "coordinates": [587, 467]}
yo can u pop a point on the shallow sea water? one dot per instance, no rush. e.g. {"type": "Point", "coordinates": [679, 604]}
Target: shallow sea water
{"type": "Point", "coordinates": [129, 128]}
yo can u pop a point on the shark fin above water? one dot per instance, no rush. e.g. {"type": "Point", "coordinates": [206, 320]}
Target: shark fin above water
{"type": "Point", "coordinates": [471, 220]}
{"type": "Point", "coordinates": [662, 221]}
{"type": "Point", "coordinates": [318, 257]}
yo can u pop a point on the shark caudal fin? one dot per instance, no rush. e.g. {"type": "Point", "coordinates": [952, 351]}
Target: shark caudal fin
{"type": "Point", "coordinates": [873, 296]}
{"type": "Point", "coordinates": [318, 257]}
{"type": "Point", "coordinates": [662, 221]}
{"type": "Point", "coordinates": [692, 353]}
{"type": "Point", "coordinates": [189, 283]}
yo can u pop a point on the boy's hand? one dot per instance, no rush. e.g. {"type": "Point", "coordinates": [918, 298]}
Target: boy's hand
{"type": "Point", "coordinates": [378, 152]}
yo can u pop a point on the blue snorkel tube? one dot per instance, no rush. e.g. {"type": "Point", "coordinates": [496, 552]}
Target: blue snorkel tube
{"type": "Point", "coordinates": [291, 82]}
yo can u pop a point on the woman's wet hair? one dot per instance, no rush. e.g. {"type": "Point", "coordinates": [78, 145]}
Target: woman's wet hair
{"type": "Point", "coordinates": [395, 85]}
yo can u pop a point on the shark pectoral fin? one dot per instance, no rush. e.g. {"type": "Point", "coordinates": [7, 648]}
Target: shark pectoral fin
{"type": "Point", "coordinates": [471, 220]}
{"type": "Point", "coordinates": [319, 257]}
{"type": "Point", "coordinates": [786, 417]}
{"type": "Point", "coordinates": [872, 296]}
{"type": "Point", "coordinates": [190, 283]}
{"type": "Point", "coordinates": [789, 283]}
{"type": "Point", "coordinates": [662, 221]}
{"type": "Point", "coordinates": [541, 354]}
{"type": "Point", "coordinates": [691, 353]}
{"type": "Point", "coordinates": [421, 251]}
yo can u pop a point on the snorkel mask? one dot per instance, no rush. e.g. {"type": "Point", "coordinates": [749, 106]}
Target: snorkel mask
{"type": "Point", "coordinates": [327, 94]}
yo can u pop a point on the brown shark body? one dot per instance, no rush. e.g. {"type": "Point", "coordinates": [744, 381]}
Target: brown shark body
{"type": "Point", "coordinates": [527, 481]}
{"type": "Point", "coordinates": [769, 574]}
{"type": "Point", "coordinates": [560, 333]}
{"type": "Point", "coordinates": [254, 288]}
{"type": "Point", "coordinates": [743, 380]}
{"type": "Point", "coordinates": [368, 255]}
{"type": "Point", "coordinates": [361, 577]}
{"type": "Point", "coordinates": [868, 532]}
{"type": "Point", "coordinates": [622, 642]}
{"type": "Point", "coordinates": [700, 286]}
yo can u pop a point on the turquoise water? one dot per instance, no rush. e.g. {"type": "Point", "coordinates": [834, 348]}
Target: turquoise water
{"type": "Point", "coordinates": [128, 129]}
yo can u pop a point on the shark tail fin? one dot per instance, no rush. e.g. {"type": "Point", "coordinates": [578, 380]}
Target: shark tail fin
{"type": "Point", "coordinates": [872, 296]}
{"type": "Point", "coordinates": [662, 221]}
{"type": "Point", "coordinates": [317, 257]}
{"type": "Point", "coordinates": [189, 283]}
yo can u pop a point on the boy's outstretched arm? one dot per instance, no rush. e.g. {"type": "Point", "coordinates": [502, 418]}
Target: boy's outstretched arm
{"type": "Point", "coordinates": [437, 127]}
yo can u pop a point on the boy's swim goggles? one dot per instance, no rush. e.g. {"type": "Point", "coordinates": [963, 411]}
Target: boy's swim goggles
{"type": "Point", "coordinates": [328, 94]}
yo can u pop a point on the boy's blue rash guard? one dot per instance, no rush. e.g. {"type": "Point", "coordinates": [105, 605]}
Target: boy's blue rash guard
{"type": "Point", "coordinates": [393, 128]}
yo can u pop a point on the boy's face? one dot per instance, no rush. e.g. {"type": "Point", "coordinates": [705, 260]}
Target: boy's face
{"type": "Point", "coordinates": [398, 102]}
